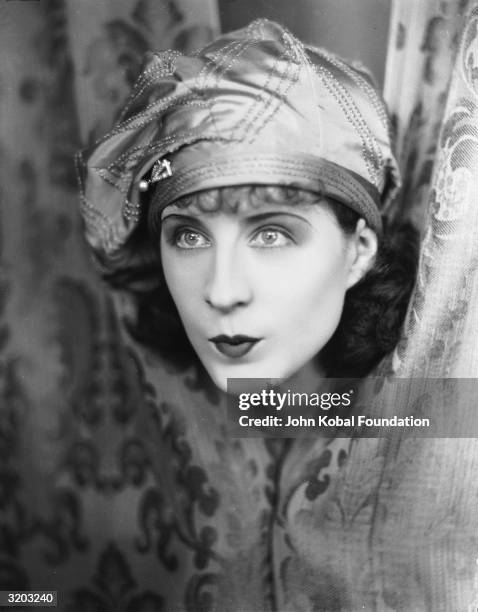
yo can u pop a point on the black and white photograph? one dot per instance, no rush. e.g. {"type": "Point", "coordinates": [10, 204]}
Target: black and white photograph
{"type": "Point", "coordinates": [239, 305]}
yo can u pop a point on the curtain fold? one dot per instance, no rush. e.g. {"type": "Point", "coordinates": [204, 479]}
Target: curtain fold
{"type": "Point", "coordinates": [78, 456]}
{"type": "Point", "coordinates": [115, 35]}
{"type": "Point", "coordinates": [423, 40]}
{"type": "Point", "coordinates": [430, 88]}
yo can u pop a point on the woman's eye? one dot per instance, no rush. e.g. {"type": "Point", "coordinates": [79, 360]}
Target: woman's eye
{"type": "Point", "coordinates": [270, 238]}
{"type": "Point", "coordinates": [189, 239]}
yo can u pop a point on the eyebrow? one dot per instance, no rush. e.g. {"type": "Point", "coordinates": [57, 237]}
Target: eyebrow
{"type": "Point", "coordinates": [249, 220]}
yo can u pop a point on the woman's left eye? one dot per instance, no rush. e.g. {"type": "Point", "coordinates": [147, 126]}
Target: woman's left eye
{"type": "Point", "coordinates": [270, 237]}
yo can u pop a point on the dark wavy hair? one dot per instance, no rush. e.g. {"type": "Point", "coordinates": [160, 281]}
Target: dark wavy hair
{"type": "Point", "coordinates": [374, 308]}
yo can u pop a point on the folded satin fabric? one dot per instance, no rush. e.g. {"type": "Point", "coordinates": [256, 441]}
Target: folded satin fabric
{"type": "Point", "coordinates": [254, 107]}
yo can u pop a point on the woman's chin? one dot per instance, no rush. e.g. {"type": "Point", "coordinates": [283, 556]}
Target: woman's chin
{"type": "Point", "coordinates": [220, 378]}
{"type": "Point", "coordinates": [305, 373]}
{"type": "Point", "coordinates": [221, 383]}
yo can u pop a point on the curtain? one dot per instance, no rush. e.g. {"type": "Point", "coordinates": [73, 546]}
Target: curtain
{"type": "Point", "coordinates": [431, 90]}
{"type": "Point", "coordinates": [117, 487]}
{"type": "Point", "coordinates": [75, 430]}
{"type": "Point", "coordinates": [425, 509]}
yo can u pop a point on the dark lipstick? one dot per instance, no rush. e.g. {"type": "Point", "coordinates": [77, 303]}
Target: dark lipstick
{"type": "Point", "coordinates": [234, 346]}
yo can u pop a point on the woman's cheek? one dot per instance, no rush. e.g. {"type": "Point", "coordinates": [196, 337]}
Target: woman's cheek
{"type": "Point", "coordinates": [182, 272]}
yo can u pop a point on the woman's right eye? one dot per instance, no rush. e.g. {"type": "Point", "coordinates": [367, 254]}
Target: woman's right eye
{"type": "Point", "coordinates": [190, 239]}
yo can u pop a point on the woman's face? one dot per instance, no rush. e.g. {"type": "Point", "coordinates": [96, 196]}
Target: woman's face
{"type": "Point", "coordinates": [259, 289]}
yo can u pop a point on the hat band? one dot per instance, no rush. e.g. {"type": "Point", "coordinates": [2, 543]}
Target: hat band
{"type": "Point", "coordinates": [295, 170]}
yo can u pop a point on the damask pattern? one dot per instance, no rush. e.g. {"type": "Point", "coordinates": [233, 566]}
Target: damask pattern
{"type": "Point", "coordinates": [109, 57]}
{"type": "Point", "coordinates": [78, 454]}
{"type": "Point", "coordinates": [422, 48]}
{"type": "Point", "coordinates": [435, 337]}
{"type": "Point", "coordinates": [114, 588]}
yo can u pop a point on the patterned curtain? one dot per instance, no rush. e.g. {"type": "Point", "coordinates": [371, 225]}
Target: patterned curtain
{"type": "Point", "coordinates": [432, 93]}
{"type": "Point", "coordinates": [423, 40]}
{"type": "Point", "coordinates": [118, 485]}
{"type": "Point", "coordinates": [424, 492]}
{"type": "Point", "coordinates": [77, 506]}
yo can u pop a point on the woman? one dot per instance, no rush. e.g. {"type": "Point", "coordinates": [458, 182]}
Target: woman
{"type": "Point", "coordinates": [240, 200]}
{"type": "Point", "coordinates": [290, 117]}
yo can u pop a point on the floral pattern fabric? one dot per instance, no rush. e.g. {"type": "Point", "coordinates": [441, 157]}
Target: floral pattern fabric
{"type": "Point", "coordinates": [423, 42]}
{"type": "Point", "coordinates": [441, 148]}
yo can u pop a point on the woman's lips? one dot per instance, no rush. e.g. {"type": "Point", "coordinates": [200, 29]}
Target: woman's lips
{"type": "Point", "coordinates": [234, 346]}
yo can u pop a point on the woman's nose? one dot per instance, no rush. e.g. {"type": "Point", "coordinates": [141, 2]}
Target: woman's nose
{"type": "Point", "coordinates": [227, 285]}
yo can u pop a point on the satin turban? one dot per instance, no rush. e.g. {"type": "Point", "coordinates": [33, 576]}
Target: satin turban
{"type": "Point", "coordinates": [255, 106]}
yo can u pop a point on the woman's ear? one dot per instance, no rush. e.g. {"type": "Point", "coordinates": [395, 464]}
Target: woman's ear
{"type": "Point", "coordinates": [363, 249]}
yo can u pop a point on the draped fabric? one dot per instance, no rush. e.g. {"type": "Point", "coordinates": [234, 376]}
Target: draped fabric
{"type": "Point", "coordinates": [437, 138]}
{"type": "Point", "coordinates": [423, 40]}
{"type": "Point", "coordinates": [77, 503]}
{"type": "Point", "coordinates": [119, 485]}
